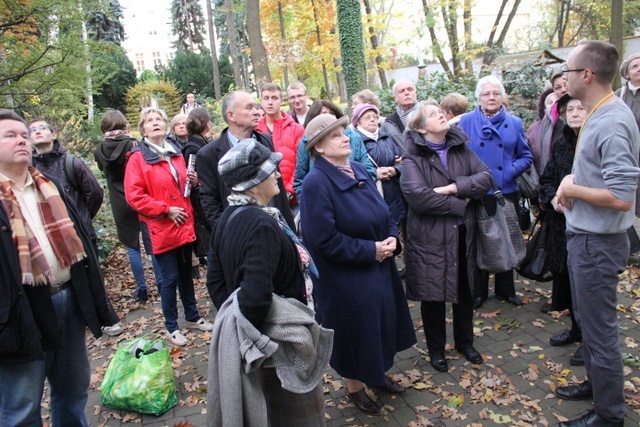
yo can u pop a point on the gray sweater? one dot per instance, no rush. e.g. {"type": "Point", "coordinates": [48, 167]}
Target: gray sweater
{"type": "Point", "coordinates": [607, 157]}
{"type": "Point", "coordinates": [290, 341]}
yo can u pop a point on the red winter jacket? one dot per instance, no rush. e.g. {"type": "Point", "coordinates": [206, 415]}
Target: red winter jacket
{"type": "Point", "coordinates": [150, 189]}
{"type": "Point", "coordinates": [286, 136]}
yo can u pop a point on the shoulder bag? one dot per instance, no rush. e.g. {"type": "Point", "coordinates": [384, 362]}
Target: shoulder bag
{"type": "Point", "coordinates": [500, 242]}
{"type": "Point", "coordinates": [536, 265]}
{"type": "Point", "coordinates": [528, 183]}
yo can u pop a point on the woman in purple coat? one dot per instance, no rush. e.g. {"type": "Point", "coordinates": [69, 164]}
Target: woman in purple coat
{"type": "Point", "coordinates": [348, 230]}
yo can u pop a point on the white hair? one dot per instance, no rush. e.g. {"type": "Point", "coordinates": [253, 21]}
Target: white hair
{"type": "Point", "coordinates": [492, 80]}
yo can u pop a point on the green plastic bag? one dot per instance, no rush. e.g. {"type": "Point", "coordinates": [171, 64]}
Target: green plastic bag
{"type": "Point", "coordinates": [140, 378]}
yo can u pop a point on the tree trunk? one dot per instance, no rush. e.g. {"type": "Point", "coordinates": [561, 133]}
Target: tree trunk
{"type": "Point", "coordinates": [285, 67]}
{"type": "Point", "coordinates": [616, 34]}
{"type": "Point", "coordinates": [437, 49]}
{"type": "Point", "coordinates": [325, 74]}
{"type": "Point", "coordinates": [507, 24]}
{"type": "Point", "coordinates": [85, 43]}
{"type": "Point", "coordinates": [233, 44]}
{"type": "Point", "coordinates": [468, 41]}
{"type": "Point", "coordinates": [258, 52]}
{"type": "Point", "coordinates": [450, 18]}
{"type": "Point", "coordinates": [374, 45]}
{"type": "Point", "coordinates": [214, 53]}
{"type": "Point", "coordinates": [342, 85]}
{"type": "Point", "coordinates": [352, 45]}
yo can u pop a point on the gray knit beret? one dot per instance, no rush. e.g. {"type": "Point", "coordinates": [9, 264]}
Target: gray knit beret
{"type": "Point", "coordinates": [247, 164]}
{"type": "Point", "coordinates": [624, 67]}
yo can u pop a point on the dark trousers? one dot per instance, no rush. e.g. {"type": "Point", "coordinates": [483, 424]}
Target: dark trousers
{"type": "Point", "coordinates": [595, 261]}
{"type": "Point", "coordinates": [434, 312]}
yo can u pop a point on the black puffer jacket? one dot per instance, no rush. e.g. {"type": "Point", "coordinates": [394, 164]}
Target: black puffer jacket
{"type": "Point", "coordinates": [557, 168]}
{"type": "Point", "coordinates": [27, 328]}
{"type": "Point", "coordinates": [89, 194]}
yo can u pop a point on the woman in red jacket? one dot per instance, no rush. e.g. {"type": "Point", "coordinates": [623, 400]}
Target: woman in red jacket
{"type": "Point", "coordinates": [155, 181]}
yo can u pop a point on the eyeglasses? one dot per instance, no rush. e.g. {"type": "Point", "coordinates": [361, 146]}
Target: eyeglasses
{"type": "Point", "coordinates": [294, 97]}
{"type": "Point", "coordinates": [495, 94]}
{"type": "Point", "coordinates": [370, 117]}
{"type": "Point", "coordinates": [39, 127]}
{"type": "Point", "coordinates": [577, 70]}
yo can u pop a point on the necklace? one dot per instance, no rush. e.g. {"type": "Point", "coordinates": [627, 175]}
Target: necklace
{"type": "Point", "coordinates": [598, 105]}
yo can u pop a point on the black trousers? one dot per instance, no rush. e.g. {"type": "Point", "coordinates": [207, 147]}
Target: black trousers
{"type": "Point", "coordinates": [434, 312]}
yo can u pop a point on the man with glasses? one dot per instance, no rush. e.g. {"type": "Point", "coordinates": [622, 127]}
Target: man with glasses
{"type": "Point", "coordinates": [50, 156]}
{"type": "Point", "coordinates": [598, 200]}
{"type": "Point", "coordinates": [297, 97]}
{"type": "Point", "coordinates": [497, 137]}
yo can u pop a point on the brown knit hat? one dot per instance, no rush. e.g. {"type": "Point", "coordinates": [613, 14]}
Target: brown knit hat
{"type": "Point", "coordinates": [624, 67]}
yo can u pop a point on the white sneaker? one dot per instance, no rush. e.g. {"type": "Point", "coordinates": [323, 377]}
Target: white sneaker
{"type": "Point", "coordinates": [113, 331]}
{"type": "Point", "coordinates": [201, 324]}
{"type": "Point", "coordinates": [177, 338]}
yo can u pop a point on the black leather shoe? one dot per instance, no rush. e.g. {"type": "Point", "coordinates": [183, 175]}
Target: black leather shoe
{"type": "Point", "coordinates": [438, 362]}
{"type": "Point", "coordinates": [591, 419]}
{"type": "Point", "coordinates": [515, 300]}
{"type": "Point", "coordinates": [363, 402]}
{"type": "Point", "coordinates": [477, 302]}
{"type": "Point", "coordinates": [582, 391]}
{"type": "Point", "coordinates": [471, 354]}
{"type": "Point", "coordinates": [577, 358]}
{"type": "Point", "coordinates": [390, 386]}
{"type": "Point", "coordinates": [567, 337]}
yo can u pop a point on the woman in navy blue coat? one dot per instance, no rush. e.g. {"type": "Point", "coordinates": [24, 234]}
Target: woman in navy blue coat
{"type": "Point", "coordinates": [348, 230]}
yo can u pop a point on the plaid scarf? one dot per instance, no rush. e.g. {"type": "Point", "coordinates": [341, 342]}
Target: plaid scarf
{"type": "Point", "coordinates": [59, 228]}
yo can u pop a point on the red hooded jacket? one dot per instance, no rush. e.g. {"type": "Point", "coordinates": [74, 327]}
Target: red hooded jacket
{"type": "Point", "coordinates": [286, 136]}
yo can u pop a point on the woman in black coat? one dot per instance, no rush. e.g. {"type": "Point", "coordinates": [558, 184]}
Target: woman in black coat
{"type": "Point", "coordinates": [559, 166]}
{"type": "Point", "coordinates": [111, 156]}
{"type": "Point", "coordinates": [386, 156]}
{"type": "Point", "coordinates": [198, 126]}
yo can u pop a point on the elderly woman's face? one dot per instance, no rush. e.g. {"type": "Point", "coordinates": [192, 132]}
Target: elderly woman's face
{"type": "Point", "coordinates": [334, 147]}
{"type": "Point", "coordinates": [490, 98]}
{"type": "Point", "coordinates": [550, 100]}
{"type": "Point", "coordinates": [267, 189]}
{"type": "Point", "coordinates": [576, 114]}
{"type": "Point", "coordinates": [436, 121]}
{"type": "Point", "coordinates": [180, 128]}
{"type": "Point", "coordinates": [369, 121]}
{"type": "Point", "coordinates": [154, 126]}
{"type": "Point", "coordinates": [634, 72]}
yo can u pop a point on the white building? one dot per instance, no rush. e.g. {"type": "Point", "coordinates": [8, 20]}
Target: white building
{"type": "Point", "coordinates": [149, 41]}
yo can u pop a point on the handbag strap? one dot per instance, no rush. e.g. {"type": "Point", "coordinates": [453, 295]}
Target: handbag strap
{"type": "Point", "coordinates": [497, 192]}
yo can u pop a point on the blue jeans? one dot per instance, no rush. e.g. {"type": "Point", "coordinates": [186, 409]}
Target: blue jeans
{"type": "Point", "coordinates": [175, 268]}
{"type": "Point", "coordinates": [67, 370]}
{"type": "Point", "coordinates": [135, 259]}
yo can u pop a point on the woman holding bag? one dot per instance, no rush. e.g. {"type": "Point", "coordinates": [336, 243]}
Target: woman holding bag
{"type": "Point", "coordinates": [441, 176]}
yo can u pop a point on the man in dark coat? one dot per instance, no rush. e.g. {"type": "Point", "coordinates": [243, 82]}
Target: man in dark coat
{"type": "Point", "coordinates": [404, 93]}
{"type": "Point", "coordinates": [240, 113]}
{"type": "Point", "coordinates": [49, 156]}
{"type": "Point", "coordinates": [51, 290]}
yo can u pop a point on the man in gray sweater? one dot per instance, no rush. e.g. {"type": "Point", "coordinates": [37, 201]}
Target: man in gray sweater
{"type": "Point", "coordinates": [598, 200]}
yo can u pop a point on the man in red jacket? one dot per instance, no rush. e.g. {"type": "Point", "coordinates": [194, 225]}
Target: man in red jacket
{"type": "Point", "coordinates": [285, 133]}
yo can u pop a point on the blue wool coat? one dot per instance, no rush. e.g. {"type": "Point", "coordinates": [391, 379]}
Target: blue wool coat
{"type": "Point", "coordinates": [501, 144]}
{"type": "Point", "coordinates": [361, 299]}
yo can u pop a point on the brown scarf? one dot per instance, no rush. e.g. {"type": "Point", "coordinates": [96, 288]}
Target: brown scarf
{"type": "Point", "coordinates": [59, 228]}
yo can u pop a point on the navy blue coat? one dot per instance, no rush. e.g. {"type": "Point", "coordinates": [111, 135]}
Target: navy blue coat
{"type": "Point", "coordinates": [361, 299]}
{"type": "Point", "coordinates": [384, 152]}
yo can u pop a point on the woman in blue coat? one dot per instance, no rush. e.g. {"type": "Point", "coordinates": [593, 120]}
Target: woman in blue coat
{"type": "Point", "coordinates": [348, 230]}
{"type": "Point", "coordinates": [498, 140]}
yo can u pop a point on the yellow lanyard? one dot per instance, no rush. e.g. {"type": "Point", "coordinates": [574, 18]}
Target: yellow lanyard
{"type": "Point", "coordinates": [587, 119]}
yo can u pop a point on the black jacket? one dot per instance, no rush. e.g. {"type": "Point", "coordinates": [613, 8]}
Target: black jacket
{"type": "Point", "coordinates": [214, 192]}
{"type": "Point", "coordinates": [27, 325]}
{"type": "Point", "coordinates": [89, 194]}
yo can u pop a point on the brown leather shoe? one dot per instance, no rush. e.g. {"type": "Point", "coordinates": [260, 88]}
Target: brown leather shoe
{"type": "Point", "coordinates": [363, 402]}
{"type": "Point", "coordinates": [391, 386]}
